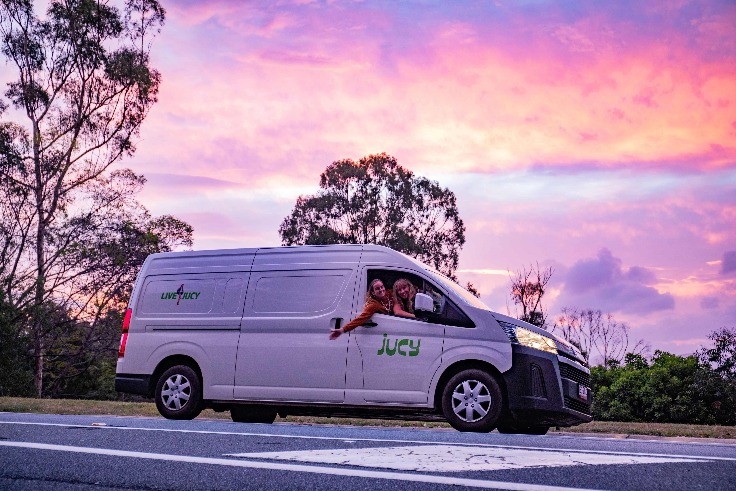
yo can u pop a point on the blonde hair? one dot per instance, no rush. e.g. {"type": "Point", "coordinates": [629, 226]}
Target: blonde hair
{"type": "Point", "coordinates": [408, 304]}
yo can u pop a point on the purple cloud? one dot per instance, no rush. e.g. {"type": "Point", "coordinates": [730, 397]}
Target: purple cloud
{"type": "Point", "coordinates": [602, 283]}
{"type": "Point", "coordinates": [640, 275]}
{"type": "Point", "coordinates": [591, 274]}
{"type": "Point", "coordinates": [709, 303]}
{"type": "Point", "coordinates": [729, 262]}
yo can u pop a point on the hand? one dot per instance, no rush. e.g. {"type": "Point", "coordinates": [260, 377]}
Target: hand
{"type": "Point", "coordinates": [335, 333]}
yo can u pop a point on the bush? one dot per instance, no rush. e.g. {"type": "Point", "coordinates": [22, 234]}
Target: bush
{"type": "Point", "coordinates": [670, 389]}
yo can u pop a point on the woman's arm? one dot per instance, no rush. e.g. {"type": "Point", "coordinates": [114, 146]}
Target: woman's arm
{"type": "Point", "coordinates": [401, 312]}
{"type": "Point", "coordinates": [368, 311]}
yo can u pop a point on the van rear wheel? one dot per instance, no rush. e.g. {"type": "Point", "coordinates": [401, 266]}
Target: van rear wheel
{"type": "Point", "coordinates": [252, 414]}
{"type": "Point", "coordinates": [179, 393]}
{"type": "Point", "coordinates": [472, 401]}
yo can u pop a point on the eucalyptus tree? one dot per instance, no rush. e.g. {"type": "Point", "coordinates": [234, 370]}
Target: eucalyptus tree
{"type": "Point", "coordinates": [377, 201]}
{"type": "Point", "coordinates": [83, 86]}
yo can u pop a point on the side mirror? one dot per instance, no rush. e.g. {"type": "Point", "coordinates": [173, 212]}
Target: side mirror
{"type": "Point", "coordinates": [422, 301]}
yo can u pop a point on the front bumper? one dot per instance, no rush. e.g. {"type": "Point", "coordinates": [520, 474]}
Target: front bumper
{"type": "Point", "coordinates": [545, 390]}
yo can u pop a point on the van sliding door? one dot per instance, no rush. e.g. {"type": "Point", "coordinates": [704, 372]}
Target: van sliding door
{"type": "Point", "coordinates": [284, 353]}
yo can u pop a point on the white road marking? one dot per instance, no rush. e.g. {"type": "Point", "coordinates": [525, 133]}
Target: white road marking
{"type": "Point", "coordinates": [380, 440]}
{"type": "Point", "coordinates": [451, 458]}
{"type": "Point", "coordinates": [334, 471]}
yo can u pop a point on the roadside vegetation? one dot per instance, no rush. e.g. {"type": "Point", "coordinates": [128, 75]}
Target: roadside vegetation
{"type": "Point", "coordinates": [148, 409]}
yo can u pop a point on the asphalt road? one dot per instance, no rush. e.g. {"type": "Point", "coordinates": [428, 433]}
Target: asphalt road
{"type": "Point", "coordinates": [53, 452]}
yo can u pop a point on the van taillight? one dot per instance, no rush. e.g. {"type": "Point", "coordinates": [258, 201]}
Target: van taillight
{"type": "Point", "coordinates": [124, 337]}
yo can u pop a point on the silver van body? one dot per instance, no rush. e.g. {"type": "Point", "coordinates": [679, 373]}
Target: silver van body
{"type": "Point", "coordinates": [246, 330]}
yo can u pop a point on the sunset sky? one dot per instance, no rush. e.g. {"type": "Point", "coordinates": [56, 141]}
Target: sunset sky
{"type": "Point", "coordinates": [596, 137]}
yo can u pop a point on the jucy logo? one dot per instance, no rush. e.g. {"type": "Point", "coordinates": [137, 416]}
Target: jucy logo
{"type": "Point", "coordinates": [180, 295]}
{"type": "Point", "coordinates": [398, 345]}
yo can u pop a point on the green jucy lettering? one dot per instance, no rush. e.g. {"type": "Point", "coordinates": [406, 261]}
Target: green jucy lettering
{"type": "Point", "coordinates": [398, 345]}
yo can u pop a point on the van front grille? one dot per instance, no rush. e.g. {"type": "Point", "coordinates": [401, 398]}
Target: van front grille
{"type": "Point", "coordinates": [574, 374]}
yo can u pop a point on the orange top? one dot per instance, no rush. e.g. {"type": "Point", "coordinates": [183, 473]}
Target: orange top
{"type": "Point", "coordinates": [372, 306]}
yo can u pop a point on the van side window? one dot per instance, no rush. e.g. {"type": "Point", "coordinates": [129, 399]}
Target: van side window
{"type": "Point", "coordinates": [445, 310]}
{"type": "Point", "coordinates": [297, 293]}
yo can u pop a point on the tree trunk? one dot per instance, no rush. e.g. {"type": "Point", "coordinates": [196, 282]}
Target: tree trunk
{"type": "Point", "coordinates": [38, 345]}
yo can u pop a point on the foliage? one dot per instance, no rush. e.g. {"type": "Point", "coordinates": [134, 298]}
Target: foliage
{"type": "Point", "coordinates": [376, 201]}
{"type": "Point", "coordinates": [669, 389]}
{"type": "Point", "coordinates": [528, 287]}
{"type": "Point", "coordinates": [16, 367]}
{"type": "Point", "coordinates": [472, 289]}
{"type": "Point", "coordinates": [84, 86]}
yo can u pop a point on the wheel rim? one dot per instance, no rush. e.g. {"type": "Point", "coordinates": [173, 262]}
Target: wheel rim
{"type": "Point", "coordinates": [176, 392]}
{"type": "Point", "coordinates": [471, 401]}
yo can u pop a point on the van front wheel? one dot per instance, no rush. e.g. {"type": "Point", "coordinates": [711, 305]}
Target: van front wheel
{"type": "Point", "coordinates": [472, 401]}
{"type": "Point", "coordinates": [179, 393]}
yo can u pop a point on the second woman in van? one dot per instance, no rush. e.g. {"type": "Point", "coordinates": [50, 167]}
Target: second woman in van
{"type": "Point", "coordinates": [378, 300]}
{"type": "Point", "coordinates": [403, 296]}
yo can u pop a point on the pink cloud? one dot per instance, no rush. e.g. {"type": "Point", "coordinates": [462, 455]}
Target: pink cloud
{"type": "Point", "coordinates": [452, 87]}
{"type": "Point", "coordinates": [179, 182]}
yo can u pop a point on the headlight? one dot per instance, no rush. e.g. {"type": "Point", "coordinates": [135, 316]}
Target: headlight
{"type": "Point", "coordinates": [536, 341]}
{"type": "Point", "coordinates": [531, 339]}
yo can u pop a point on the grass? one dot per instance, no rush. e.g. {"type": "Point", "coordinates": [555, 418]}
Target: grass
{"type": "Point", "coordinates": [148, 409]}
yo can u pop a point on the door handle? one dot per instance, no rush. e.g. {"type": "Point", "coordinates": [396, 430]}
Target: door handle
{"type": "Point", "coordinates": [336, 322]}
{"type": "Point", "coordinates": [370, 324]}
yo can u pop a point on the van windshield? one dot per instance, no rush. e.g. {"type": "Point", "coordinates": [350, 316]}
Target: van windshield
{"type": "Point", "coordinates": [461, 292]}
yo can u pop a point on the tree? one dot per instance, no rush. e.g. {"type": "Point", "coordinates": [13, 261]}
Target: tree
{"type": "Point", "coordinates": [597, 333]}
{"type": "Point", "coordinates": [528, 286]}
{"type": "Point", "coordinates": [84, 87]}
{"type": "Point", "coordinates": [721, 386]}
{"type": "Point", "coordinates": [376, 201]}
{"type": "Point", "coordinates": [722, 356]}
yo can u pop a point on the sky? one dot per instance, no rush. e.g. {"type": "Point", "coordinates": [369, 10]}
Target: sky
{"type": "Point", "coordinates": [594, 137]}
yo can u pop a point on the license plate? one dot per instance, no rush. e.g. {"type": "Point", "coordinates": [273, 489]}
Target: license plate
{"type": "Point", "coordinates": [583, 392]}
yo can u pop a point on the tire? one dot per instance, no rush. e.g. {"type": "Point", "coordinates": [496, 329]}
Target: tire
{"type": "Point", "coordinates": [252, 414]}
{"type": "Point", "coordinates": [472, 401]}
{"type": "Point", "coordinates": [179, 393]}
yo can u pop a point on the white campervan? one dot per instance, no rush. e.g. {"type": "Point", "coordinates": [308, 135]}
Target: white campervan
{"type": "Point", "coordinates": [246, 330]}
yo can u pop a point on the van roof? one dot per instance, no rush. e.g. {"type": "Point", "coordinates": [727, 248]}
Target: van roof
{"type": "Point", "coordinates": [284, 249]}
{"type": "Point", "coordinates": [169, 262]}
